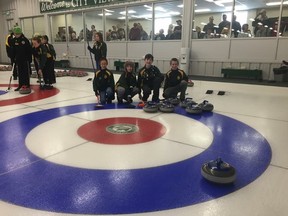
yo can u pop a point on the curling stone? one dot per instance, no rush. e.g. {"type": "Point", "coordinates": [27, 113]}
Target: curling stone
{"type": "Point", "coordinates": [167, 107]}
{"type": "Point", "coordinates": [174, 101]}
{"type": "Point", "coordinates": [151, 107]}
{"type": "Point", "coordinates": [206, 106]}
{"type": "Point", "coordinates": [190, 83]}
{"type": "Point", "coordinates": [186, 102]}
{"type": "Point", "coordinates": [25, 90]}
{"type": "Point", "coordinates": [193, 109]}
{"type": "Point", "coordinates": [218, 171]}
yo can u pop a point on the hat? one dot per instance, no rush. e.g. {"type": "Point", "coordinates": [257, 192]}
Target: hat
{"type": "Point", "coordinates": [17, 30]}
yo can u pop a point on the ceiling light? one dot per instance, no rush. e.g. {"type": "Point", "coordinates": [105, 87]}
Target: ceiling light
{"type": "Point", "coordinates": [106, 14]}
{"type": "Point", "coordinates": [202, 10]}
{"type": "Point", "coordinates": [276, 3]}
{"type": "Point", "coordinates": [180, 6]}
{"type": "Point", "coordinates": [122, 18]}
{"type": "Point", "coordinates": [109, 10]}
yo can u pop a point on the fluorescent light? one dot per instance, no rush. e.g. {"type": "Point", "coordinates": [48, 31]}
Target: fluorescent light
{"type": "Point", "coordinates": [180, 6]}
{"type": "Point", "coordinates": [276, 3]}
{"type": "Point", "coordinates": [121, 18]}
{"type": "Point", "coordinates": [237, 7]}
{"type": "Point", "coordinates": [174, 13]}
{"type": "Point", "coordinates": [109, 10]}
{"type": "Point", "coordinates": [129, 12]}
{"type": "Point", "coordinates": [219, 4]}
{"type": "Point", "coordinates": [106, 14]}
{"type": "Point", "coordinates": [202, 23]}
{"type": "Point", "coordinates": [202, 10]}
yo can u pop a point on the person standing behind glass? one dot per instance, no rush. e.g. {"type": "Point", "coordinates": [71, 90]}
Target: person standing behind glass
{"type": "Point", "coordinates": [209, 28]}
{"type": "Point", "coordinates": [223, 24]}
{"type": "Point", "coordinates": [99, 49]}
{"type": "Point", "coordinates": [260, 20]}
{"type": "Point", "coordinates": [236, 27]}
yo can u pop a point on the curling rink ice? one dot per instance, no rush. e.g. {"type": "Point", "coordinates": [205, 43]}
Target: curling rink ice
{"type": "Point", "coordinates": [61, 156]}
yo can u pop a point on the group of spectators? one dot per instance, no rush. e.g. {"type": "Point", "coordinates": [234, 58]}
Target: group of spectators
{"type": "Point", "coordinates": [261, 24]}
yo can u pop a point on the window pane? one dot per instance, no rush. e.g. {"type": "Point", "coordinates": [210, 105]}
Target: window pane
{"type": "Point", "coordinates": [140, 22]}
{"type": "Point", "coordinates": [284, 21]}
{"type": "Point", "coordinates": [27, 27]}
{"type": "Point", "coordinates": [94, 23]}
{"type": "Point", "coordinates": [58, 28]}
{"type": "Point", "coordinates": [75, 25]}
{"type": "Point", "coordinates": [115, 24]}
{"type": "Point", "coordinates": [39, 25]}
{"type": "Point", "coordinates": [168, 20]}
{"type": "Point", "coordinates": [264, 18]}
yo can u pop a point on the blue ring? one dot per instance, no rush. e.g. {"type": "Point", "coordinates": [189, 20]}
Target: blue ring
{"type": "Point", "coordinates": [32, 182]}
{"type": "Point", "coordinates": [2, 92]}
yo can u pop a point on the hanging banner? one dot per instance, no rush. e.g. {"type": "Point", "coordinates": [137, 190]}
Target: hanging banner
{"type": "Point", "coordinates": [57, 5]}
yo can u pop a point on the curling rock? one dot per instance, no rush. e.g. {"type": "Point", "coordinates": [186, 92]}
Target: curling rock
{"type": "Point", "coordinates": [206, 106]}
{"type": "Point", "coordinates": [150, 107]}
{"type": "Point", "coordinates": [190, 83]}
{"type": "Point", "coordinates": [186, 102]}
{"type": "Point", "coordinates": [218, 171]}
{"type": "Point", "coordinates": [25, 90]}
{"type": "Point", "coordinates": [174, 101]}
{"type": "Point", "coordinates": [193, 109]}
{"type": "Point", "coordinates": [167, 107]}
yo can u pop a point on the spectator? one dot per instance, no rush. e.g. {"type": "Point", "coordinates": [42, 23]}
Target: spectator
{"type": "Point", "coordinates": [223, 24]}
{"type": "Point", "coordinates": [260, 20]}
{"type": "Point", "coordinates": [177, 32]}
{"type": "Point", "coordinates": [160, 35]}
{"type": "Point", "coordinates": [135, 32]}
{"type": "Point", "coordinates": [245, 31]}
{"type": "Point", "coordinates": [236, 27]}
{"type": "Point", "coordinates": [209, 28]}
{"type": "Point", "coordinates": [169, 31]}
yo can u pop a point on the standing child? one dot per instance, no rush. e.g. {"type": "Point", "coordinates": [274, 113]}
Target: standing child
{"type": "Point", "coordinates": [99, 49]}
{"type": "Point", "coordinates": [43, 61]}
{"type": "Point", "coordinates": [126, 86]}
{"type": "Point", "coordinates": [51, 56]}
{"type": "Point", "coordinates": [175, 81]}
{"type": "Point", "coordinates": [103, 83]}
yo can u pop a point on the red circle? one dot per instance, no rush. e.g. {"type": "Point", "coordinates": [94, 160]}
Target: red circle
{"type": "Point", "coordinates": [37, 94]}
{"type": "Point", "coordinates": [96, 131]}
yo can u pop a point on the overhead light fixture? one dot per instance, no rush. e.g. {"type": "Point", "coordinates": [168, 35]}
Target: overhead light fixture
{"type": "Point", "coordinates": [46, 1]}
{"type": "Point", "coordinates": [174, 13]}
{"type": "Point", "coordinates": [202, 10]}
{"type": "Point", "coordinates": [276, 3]}
{"type": "Point", "coordinates": [106, 14]}
{"type": "Point", "coordinates": [129, 12]}
{"type": "Point", "coordinates": [121, 18]}
{"type": "Point", "coordinates": [109, 11]}
{"type": "Point", "coordinates": [180, 6]}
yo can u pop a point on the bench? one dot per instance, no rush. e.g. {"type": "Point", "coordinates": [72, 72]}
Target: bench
{"type": "Point", "coordinates": [242, 73]}
{"type": "Point", "coordinates": [62, 64]}
{"type": "Point", "coordinates": [120, 65]}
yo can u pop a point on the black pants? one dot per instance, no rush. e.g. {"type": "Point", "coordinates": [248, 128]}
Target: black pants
{"type": "Point", "coordinates": [154, 86]}
{"type": "Point", "coordinates": [48, 73]}
{"type": "Point", "coordinates": [24, 71]}
{"type": "Point", "coordinates": [172, 92]}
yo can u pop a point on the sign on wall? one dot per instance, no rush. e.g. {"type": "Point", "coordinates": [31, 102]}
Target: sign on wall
{"type": "Point", "coordinates": [57, 5]}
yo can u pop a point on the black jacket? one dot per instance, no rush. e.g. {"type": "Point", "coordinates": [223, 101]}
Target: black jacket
{"type": "Point", "coordinates": [21, 50]}
{"type": "Point", "coordinates": [174, 77]}
{"type": "Point", "coordinates": [40, 56]}
{"type": "Point", "coordinates": [9, 43]}
{"type": "Point", "coordinates": [147, 75]}
{"type": "Point", "coordinates": [127, 80]}
{"type": "Point", "coordinates": [102, 80]}
{"type": "Point", "coordinates": [99, 50]}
